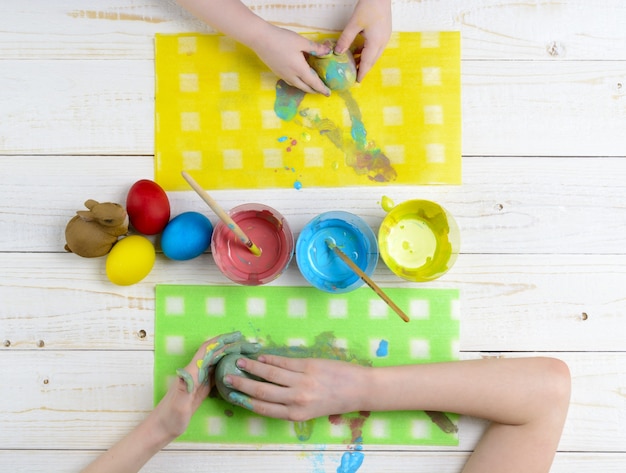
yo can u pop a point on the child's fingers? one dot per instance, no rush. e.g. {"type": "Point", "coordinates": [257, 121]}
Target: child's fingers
{"type": "Point", "coordinates": [317, 49]}
{"type": "Point", "coordinates": [347, 37]}
{"type": "Point", "coordinates": [206, 356]}
{"type": "Point", "coordinates": [297, 365]}
{"type": "Point", "coordinates": [267, 409]}
{"type": "Point", "coordinates": [244, 348]}
{"type": "Point", "coordinates": [187, 378]}
{"type": "Point", "coordinates": [273, 374]}
{"type": "Point", "coordinates": [259, 390]}
{"type": "Point", "coordinates": [310, 83]}
{"type": "Point", "coordinates": [369, 56]}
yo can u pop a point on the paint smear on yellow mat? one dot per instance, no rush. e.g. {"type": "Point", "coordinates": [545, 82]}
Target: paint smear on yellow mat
{"type": "Point", "coordinates": [220, 117]}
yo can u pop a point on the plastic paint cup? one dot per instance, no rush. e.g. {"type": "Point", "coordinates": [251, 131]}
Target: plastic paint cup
{"type": "Point", "coordinates": [320, 266]}
{"type": "Point", "coordinates": [419, 240]}
{"type": "Point", "coordinates": [269, 230]}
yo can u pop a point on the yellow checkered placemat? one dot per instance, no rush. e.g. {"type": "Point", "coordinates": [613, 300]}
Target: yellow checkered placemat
{"type": "Point", "coordinates": [220, 116]}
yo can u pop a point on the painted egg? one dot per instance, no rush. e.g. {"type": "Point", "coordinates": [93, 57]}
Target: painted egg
{"type": "Point", "coordinates": [130, 260]}
{"type": "Point", "coordinates": [148, 207]}
{"type": "Point", "coordinates": [186, 236]}
{"type": "Point", "coordinates": [337, 71]}
{"type": "Point", "coordinates": [228, 365]}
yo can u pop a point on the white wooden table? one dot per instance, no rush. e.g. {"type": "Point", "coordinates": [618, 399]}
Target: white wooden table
{"type": "Point", "coordinates": [542, 212]}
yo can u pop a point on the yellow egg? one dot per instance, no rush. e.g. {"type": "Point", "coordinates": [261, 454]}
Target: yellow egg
{"type": "Point", "coordinates": [130, 260]}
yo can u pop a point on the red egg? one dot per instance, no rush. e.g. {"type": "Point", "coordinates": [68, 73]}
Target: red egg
{"type": "Point", "coordinates": [148, 207]}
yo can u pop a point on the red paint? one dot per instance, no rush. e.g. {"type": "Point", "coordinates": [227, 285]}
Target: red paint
{"type": "Point", "coordinates": [268, 230]}
{"type": "Point", "coordinates": [354, 421]}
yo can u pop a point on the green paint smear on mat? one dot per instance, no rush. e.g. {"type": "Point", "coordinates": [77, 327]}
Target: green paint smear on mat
{"type": "Point", "coordinates": [303, 321]}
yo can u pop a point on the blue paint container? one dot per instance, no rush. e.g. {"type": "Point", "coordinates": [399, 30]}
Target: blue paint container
{"type": "Point", "coordinates": [320, 266]}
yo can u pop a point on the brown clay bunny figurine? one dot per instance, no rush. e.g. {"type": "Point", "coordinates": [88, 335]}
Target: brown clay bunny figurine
{"type": "Point", "coordinates": [93, 232]}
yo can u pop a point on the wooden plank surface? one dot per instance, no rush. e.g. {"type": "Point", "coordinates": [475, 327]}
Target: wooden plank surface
{"type": "Point", "coordinates": [491, 29]}
{"type": "Point", "coordinates": [60, 395]}
{"type": "Point", "coordinates": [509, 302]}
{"type": "Point", "coordinates": [295, 462]}
{"type": "Point", "coordinates": [542, 215]}
{"type": "Point", "coordinates": [548, 205]}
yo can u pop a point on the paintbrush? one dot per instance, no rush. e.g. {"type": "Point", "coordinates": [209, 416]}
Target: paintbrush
{"type": "Point", "coordinates": [224, 217]}
{"type": "Point", "coordinates": [346, 259]}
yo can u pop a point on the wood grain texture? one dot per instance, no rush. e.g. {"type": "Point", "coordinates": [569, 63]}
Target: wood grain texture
{"type": "Point", "coordinates": [61, 395]}
{"type": "Point", "coordinates": [293, 462]}
{"type": "Point", "coordinates": [491, 29]}
{"type": "Point", "coordinates": [542, 212]}
{"type": "Point", "coordinates": [509, 302]}
{"type": "Point", "coordinates": [506, 205]}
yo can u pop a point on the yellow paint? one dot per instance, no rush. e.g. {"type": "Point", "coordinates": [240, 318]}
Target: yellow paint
{"type": "Point", "coordinates": [387, 204]}
{"type": "Point", "coordinates": [410, 244]}
{"type": "Point", "coordinates": [419, 240]}
{"type": "Point", "coordinates": [215, 112]}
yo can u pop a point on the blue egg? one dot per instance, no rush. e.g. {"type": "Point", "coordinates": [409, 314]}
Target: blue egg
{"type": "Point", "coordinates": [186, 236]}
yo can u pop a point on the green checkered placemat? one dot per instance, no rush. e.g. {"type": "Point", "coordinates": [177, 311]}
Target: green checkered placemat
{"type": "Point", "coordinates": [303, 321]}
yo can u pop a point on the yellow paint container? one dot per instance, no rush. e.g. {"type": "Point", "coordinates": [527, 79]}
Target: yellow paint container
{"type": "Point", "coordinates": [419, 240]}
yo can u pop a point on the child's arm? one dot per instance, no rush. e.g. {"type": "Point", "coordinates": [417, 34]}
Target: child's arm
{"type": "Point", "coordinates": [171, 416]}
{"type": "Point", "coordinates": [526, 399]}
{"type": "Point", "coordinates": [282, 50]}
{"type": "Point", "coordinates": [371, 19]}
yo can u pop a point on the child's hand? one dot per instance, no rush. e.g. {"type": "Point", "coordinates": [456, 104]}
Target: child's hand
{"type": "Point", "coordinates": [196, 380]}
{"type": "Point", "coordinates": [299, 389]}
{"type": "Point", "coordinates": [283, 51]}
{"type": "Point", "coordinates": [371, 18]}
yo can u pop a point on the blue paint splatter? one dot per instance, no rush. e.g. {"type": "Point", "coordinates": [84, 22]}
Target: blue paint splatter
{"type": "Point", "coordinates": [383, 348]}
{"type": "Point", "coordinates": [351, 462]}
{"type": "Point", "coordinates": [317, 460]}
{"type": "Point", "coordinates": [297, 185]}
{"type": "Point", "coordinates": [282, 139]}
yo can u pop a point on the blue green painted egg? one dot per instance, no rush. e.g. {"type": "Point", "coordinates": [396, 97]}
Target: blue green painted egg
{"type": "Point", "coordinates": [337, 71]}
{"type": "Point", "coordinates": [186, 236]}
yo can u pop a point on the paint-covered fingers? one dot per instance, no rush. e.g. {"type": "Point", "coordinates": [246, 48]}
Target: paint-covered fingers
{"type": "Point", "coordinates": [213, 351]}
{"type": "Point", "coordinates": [197, 371]}
{"type": "Point", "coordinates": [319, 49]}
{"type": "Point", "coordinates": [311, 83]}
{"type": "Point", "coordinates": [242, 348]}
{"type": "Point", "coordinates": [264, 408]}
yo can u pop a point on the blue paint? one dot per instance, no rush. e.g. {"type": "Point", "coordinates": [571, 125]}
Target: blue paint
{"type": "Point", "coordinates": [282, 139]}
{"type": "Point", "coordinates": [239, 399]}
{"type": "Point", "coordinates": [351, 462]}
{"type": "Point", "coordinates": [358, 132]}
{"type": "Point", "coordinates": [297, 185]}
{"type": "Point", "coordinates": [320, 266]}
{"type": "Point", "coordinates": [383, 348]}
